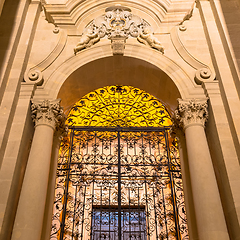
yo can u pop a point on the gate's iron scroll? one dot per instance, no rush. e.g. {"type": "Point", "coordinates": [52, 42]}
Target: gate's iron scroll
{"type": "Point", "coordinates": [119, 173]}
{"type": "Point", "coordinates": [105, 174]}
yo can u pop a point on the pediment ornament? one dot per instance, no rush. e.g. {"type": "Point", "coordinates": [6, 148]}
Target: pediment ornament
{"type": "Point", "coordinates": [118, 24]}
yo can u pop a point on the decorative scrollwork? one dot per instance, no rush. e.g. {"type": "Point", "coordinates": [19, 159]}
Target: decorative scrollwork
{"type": "Point", "coordinates": [203, 74]}
{"type": "Point", "coordinates": [118, 24]}
{"type": "Point", "coordinates": [151, 186]}
{"type": "Point", "coordinates": [122, 106]}
{"type": "Point", "coordinates": [56, 30]}
{"type": "Point", "coordinates": [182, 28]}
{"type": "Point", "coordinates": [109, 171]}
{"type": "Point", "coordinates": [34, 76]}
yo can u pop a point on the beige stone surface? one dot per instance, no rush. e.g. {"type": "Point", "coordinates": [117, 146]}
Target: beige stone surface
{"type": "Point", "coordinates": [47, 117]}
{"type": "Point", "coordinates": [226, 77]}
{"type": "Point", "coordinates": [12, 20]}
{"type": "Point", "coordinates": [36, 44]}
{"type": "Point", "coordinates": [28, 224]}
{"type": "Point", "coordinates": [11, 92]}
{"type": "Point", "coordinates": [118, 70]}
{"type": "Point", "coordinates": [14, 162]}
{"type": "Point", "coordinates": [209, 214]}
{"type": "Point", "coordinates": [46, 230]}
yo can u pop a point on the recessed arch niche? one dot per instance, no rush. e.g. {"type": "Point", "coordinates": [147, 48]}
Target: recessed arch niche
{"type": "Point", "coordinates": [118, 70]}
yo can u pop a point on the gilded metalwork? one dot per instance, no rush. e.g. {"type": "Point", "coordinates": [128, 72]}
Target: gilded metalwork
{"type": "Point", "coordinates": [88, 177]}
{"type": "Point", "coordinates": [121, 181]}
{"type": "Point", "coordinates": [123, 106]}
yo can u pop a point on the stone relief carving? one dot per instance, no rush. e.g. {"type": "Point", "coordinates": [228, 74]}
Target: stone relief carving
{"type": "Point", "coordinates": [118, 24]}
{"type": "Point", "coordinates": [34, 76]}
{"type": "Point", "coordinates": [49, 113]}
{"type": "Point", "coordinates": [146, 37]}
{"type": "Point", "coordinates": [203, 74]}
{"type": "Point", "coordinates": [88, 39]}
{"type": "Point", "coordinates": [191, 112]}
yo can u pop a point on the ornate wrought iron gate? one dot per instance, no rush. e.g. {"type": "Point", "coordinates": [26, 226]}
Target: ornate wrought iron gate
{"type": "Point", "coordinates": [119, 184]}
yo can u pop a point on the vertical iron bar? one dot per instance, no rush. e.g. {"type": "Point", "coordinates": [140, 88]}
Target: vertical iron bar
{"type": "Point", "coordinates": [119, 211]}
{"type": "Point", "coordinates": [93, 177]}
{"type": "Point", "coordinates": [147, 212]}
{"type": "Point", "coordinates": [109, 198]}
{"type": "Point", "coordinates": [154, 192]}
{"type": "Point", "coordinates": [92, 197]}
{"type": "Point", "coordinates": [139, 211]}
{"type": "Point", "coordinates": [119, 188]}
{"type": "Point", "coordinates": [155, 211]}
{"type": "Point", "coordinates": [165, 214]}
{"type": "Point", "coordinates": [139, 219]}
{"type": "Point", "coordinates": [129, 213]}
{"type": "Point", "coordinates": [74, 214]}
{"type": "Point", "coordinates": [66, 188]}
{"type": "Point", "coordinates": [109, 212]}
{"type": "Point", "coordinates": [101, 190]}
{"type": "Point", "coordinates": [93, 213]}
{"type": "Point", "coordinates": [101, 210]}
{"type": "Point", "coordinates": [145, 184]}
{"type": "Point", "coordinates": [171, 182]}
{"type": "Point", "coordinates": [84, 196]}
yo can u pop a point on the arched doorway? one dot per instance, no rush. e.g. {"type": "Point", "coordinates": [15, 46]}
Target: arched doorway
{"type": "Point", "coordinates": [119, 174]}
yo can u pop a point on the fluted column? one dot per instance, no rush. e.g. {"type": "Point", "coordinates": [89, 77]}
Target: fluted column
{"type": "Point", "coordinates": [191, 116]}
{"type": "Point", "coordinates": [48, 116]}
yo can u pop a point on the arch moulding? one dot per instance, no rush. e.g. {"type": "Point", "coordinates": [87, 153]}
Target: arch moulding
{"type": "Point", "coordinates": [185, 85]}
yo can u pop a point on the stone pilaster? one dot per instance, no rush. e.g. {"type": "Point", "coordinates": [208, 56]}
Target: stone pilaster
{"type": "Point", "coordinates": [48, 117]}
{"type": "Point", "coordinates": [191, 116]}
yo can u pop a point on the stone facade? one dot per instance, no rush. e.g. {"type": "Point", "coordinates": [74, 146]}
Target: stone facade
{"type": "Point", "coordinates": [185, 53]}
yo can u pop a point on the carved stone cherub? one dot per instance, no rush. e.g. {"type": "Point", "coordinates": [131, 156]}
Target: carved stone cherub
{"type": "Point", "coordinates": [146, 37]}
{"type": "Point", "coordinates": [88, 38]}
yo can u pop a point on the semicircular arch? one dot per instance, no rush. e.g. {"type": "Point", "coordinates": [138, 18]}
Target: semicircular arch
{"type": "Point", "coordinates": [178, 76]}
{"type": "Point", "coordinates": [119, 106]}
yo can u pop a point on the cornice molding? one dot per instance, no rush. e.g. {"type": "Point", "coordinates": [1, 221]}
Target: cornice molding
{"type": "Point", "coordinates": [73, 10]}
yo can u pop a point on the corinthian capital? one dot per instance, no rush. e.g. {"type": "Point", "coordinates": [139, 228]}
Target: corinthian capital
{"type": "Point", "coordinates": [191, 112]}
{"type": "Point", "coordinates": [48, 113]}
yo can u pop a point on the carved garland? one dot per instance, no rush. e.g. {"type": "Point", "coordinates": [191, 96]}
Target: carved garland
{"type": "Point", "coordinates": [118, 24]}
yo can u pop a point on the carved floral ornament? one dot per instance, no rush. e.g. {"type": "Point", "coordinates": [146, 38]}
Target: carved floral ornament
{"type": "Point", "coordinates": [49, 113]}
{"type": "Point", "coordinates": [118, 24]}
{"type": "Point", "coordinates": [191, 112]}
